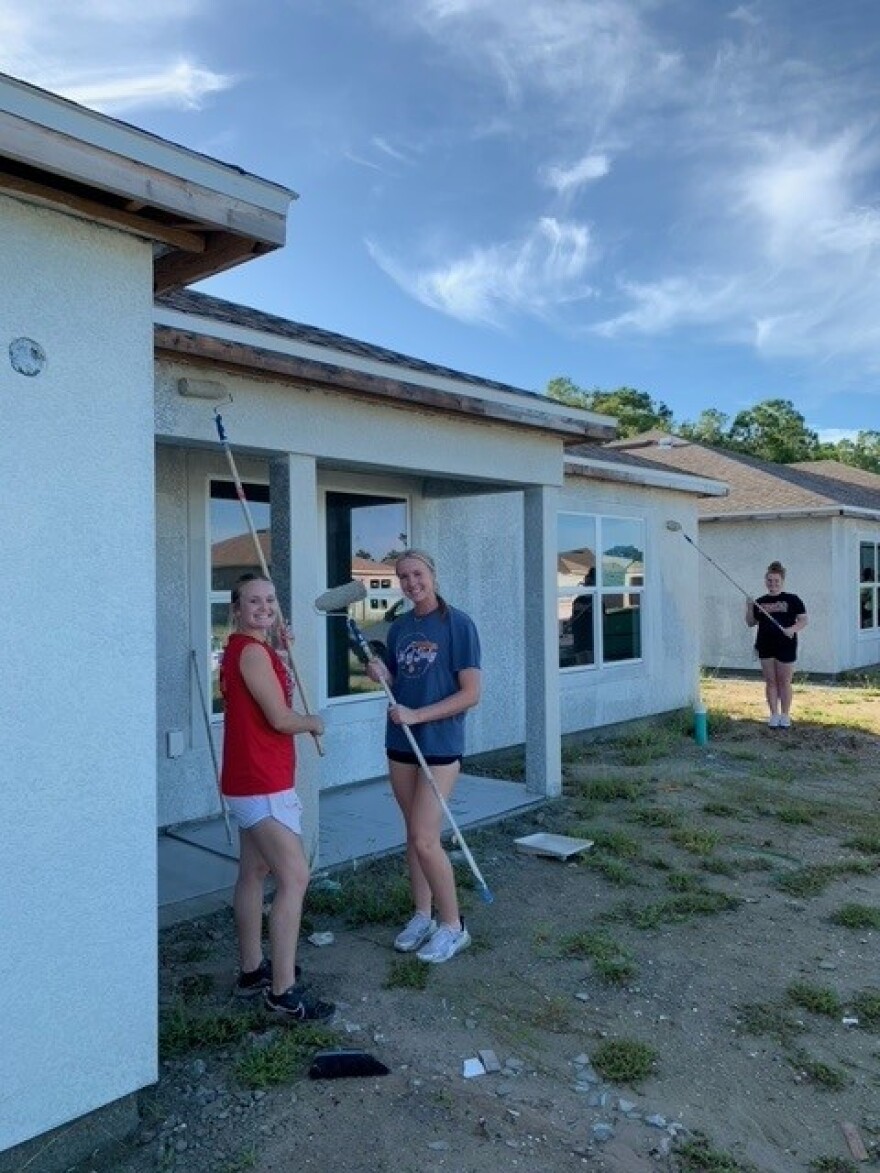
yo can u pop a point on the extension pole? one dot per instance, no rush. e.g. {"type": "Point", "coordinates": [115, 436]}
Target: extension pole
{"type": "Point", "coordinates": [369, 655]}
{"type": "Point", "coordinates": [675, 527]}
{"type": "Point", "coordinates": [195, 666]}
{"type": "Point", "coordinates": [261, 558]}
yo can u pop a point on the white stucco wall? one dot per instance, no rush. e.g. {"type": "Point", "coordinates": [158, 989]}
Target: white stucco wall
{"type": "Point", "coordinates": [814, 553]}
{"type": "Point", "coordinates": [77, 627]}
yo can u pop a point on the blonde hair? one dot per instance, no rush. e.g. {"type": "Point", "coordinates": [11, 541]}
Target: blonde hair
{"type": "Point", "coordinates": [425, 558]}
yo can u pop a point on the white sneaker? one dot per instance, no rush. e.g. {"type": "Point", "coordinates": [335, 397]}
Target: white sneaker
{"type": "Point", "coordinates": [444, 945]}
{"type": "Point", "coordinates": [774, 721]}
{"type": "Point", "coordinates": [419, 930]}
{"type": "Point", "coordinates": [785, 721]}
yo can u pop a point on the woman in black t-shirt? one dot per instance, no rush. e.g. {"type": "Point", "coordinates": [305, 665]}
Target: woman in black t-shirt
{"type": "Point", "coordinates": [779, 616]}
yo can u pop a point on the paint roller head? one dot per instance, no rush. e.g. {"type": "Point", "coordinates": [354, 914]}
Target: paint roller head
{"type": "Point", "coordinates": [675, 526]}
{"type": "Point", "coordinates": [341, 598]}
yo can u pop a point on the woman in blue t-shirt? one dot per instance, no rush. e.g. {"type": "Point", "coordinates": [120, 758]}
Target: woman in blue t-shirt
{"type": "Point", "coordinates": [433, 668]}
{"type": "Point", "coordinates": [779, 616]}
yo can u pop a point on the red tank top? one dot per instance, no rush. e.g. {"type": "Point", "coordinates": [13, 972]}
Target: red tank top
{"type": "Point", "coordinates": [257, 759]}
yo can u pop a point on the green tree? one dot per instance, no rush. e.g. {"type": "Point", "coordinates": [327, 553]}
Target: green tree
{"type": "Point", "coordinates": [635, 411]}
{"type": "Point", "coordinates": [773, 430]}
{"type": "Point", "coordinates": [863, 452]}
{"type": "Point", "coordinates": [710, 427]}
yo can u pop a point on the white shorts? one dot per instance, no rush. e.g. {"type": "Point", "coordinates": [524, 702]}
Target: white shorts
{"type": "Point", "coordinates": [285, 807]}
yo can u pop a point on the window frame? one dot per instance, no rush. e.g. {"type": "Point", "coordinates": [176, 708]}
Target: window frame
{"type": "Point", "coordinates": [872, 586]}
{"type": "Point", "coordinates": [380, 492]}
{"type": "Point", "coordinates": [598, 591]}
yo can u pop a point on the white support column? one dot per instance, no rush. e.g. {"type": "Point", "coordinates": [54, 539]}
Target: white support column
{"type": "Point", "coordinates": [543, 736]}
{"type": "Point", "coordinates": [293, 490]}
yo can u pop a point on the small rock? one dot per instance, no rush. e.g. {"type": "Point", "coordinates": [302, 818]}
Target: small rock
{"type": "Point", "coordinates": [656, 1121]}
{"type": "Point", "coordinates": [602, 1132]}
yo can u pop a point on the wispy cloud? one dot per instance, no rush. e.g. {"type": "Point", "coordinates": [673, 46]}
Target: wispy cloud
{"type": "Point", "coordinates": [534, 274]}
{"type": "Point", "coordinates": [567, 179]}
{"type": "Point", "coordinates": [94, 52]}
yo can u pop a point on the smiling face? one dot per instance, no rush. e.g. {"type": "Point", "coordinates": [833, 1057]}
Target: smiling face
{"type": "Point", "coordinates": [256, 610]}
{"type": "Point", "coordinates": [773, 582]}
{"type": "Point", "coordinates": [418, 584]}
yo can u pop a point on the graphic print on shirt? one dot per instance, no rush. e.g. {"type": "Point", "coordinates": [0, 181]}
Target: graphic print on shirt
{"type": "Point", "coordinates": [416, 656]}
{"type": "Point", "coordinates": [779, 607]}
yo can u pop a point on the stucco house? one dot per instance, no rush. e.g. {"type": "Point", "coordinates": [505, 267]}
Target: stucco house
{"type": "Point", "coordinates": [820, 519]}
{"type": "Point", "coordinates": [122, 534]}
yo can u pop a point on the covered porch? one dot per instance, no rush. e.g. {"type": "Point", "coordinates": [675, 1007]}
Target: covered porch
{"type": "Point", "coordinates": [197, 863]}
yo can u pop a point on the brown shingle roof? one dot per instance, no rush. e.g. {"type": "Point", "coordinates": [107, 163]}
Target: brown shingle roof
{"type": "Point", "coordinates": [757, 486]}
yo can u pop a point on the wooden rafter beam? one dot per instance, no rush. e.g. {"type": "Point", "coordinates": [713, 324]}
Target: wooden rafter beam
{"type": "Point", "coordinates": [221, 252]}
{"type": "Point", "coordinates": [86, 209]}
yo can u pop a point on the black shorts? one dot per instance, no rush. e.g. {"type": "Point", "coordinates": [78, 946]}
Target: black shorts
{"type": "Point", "coordinates": [785, 653]}
{"type": "Point", "coordinates": [409, 759]}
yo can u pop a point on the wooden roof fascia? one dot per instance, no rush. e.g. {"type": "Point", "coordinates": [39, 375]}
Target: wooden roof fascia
{"type": "Point", "coordinates": [92, 210]}
{"type": "Point", "coordinates": [237, 356]}
{"type": "Point", "coordinates": [60, 154]}
{"type": "Point", "coordinates": [220, 252]}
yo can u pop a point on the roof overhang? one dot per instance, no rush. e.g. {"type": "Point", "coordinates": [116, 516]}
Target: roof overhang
{"type": "Point", "coordinates": [796, 514]}
{"type": "Point", "coordinates": [245, 350]}
{"type": "Point", "coordinates": [202, 215]}
{"type": "Point", "coordinates": [604, 470]}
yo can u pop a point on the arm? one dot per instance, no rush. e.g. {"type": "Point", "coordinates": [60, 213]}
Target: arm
{"type": "Point", "coordinates": [468, 695]}
{"type": "Point", "coordinates": [751, 617]}
{"type": "Point", "coordinates": [262, 684]}
{"type": "Point", "coordinates": [799, 624]}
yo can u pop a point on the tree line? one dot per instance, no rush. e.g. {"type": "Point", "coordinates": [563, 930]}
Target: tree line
{"type": "Point", "coordinates": [772, 430]}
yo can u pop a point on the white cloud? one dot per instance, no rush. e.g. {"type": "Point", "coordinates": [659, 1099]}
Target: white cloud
{"type": "Point", "coordinates": [567, 179]}
{"type": "Point", "coordinates": [94, 52]}
{"type": "Point", "coordinates": [180, 84]}
{"type": "Point", "coordinates": [535, 274]}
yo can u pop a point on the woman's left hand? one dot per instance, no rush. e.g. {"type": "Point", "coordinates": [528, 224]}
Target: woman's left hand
{"type": "Point", "coordinates": [401, 715]}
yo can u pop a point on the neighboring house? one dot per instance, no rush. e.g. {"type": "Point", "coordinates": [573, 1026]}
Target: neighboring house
{"type": "Point", "coordinates": [123, 535]}
{"type": "Point", "coordinates": [820, 519]}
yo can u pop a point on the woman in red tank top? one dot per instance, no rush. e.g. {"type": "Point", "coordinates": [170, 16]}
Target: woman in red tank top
{"type": "Point", "coordinates": [258, 783]}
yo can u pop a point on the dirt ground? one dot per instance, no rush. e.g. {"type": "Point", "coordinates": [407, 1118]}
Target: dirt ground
{"type": "Point", "coordinates": [727, 918]}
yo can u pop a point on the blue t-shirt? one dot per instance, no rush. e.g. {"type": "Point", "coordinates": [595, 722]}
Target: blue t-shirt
{"type": "Point", "coordinates": [425, 654]}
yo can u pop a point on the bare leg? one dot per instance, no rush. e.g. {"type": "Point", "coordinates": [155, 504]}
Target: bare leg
{"type": "Point", "coordinates": [430, 872]}
{"type": "Point", "coordinates": [784, 673]}
{"type": "Point", "coordinates": [247, 902]}
{"type": "Point", "coordinates": [768, 671]}
{"type": "Point", "coordinates": [284, 856]}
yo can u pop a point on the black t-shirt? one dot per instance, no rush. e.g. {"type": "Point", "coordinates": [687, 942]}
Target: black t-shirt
{"type": "Point", "coordinates": [784, 608]}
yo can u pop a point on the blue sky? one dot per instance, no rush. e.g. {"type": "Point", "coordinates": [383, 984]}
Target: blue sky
{"type": "Point", "coordinates": [678, 195]}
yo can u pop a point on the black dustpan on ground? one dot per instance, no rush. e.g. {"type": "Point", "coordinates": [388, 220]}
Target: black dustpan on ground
{"type": "Point", "coordinates": [341, 1064]}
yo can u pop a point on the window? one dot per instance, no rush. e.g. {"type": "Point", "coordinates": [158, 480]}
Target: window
{"type": "Point", "coordinates": [364, 536]}
{"type": "Point", "coordinates": [232, 554]}
{"type": "Point", "coordinates": [600, 575]}
{"type": "Point", "coordinates": [869, 603]}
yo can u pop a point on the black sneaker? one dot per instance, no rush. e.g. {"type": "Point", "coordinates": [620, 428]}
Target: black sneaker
{"type": "Point", "coordinates": [257, 980]}
{"type": "Point", "coordinates": [299, 1006]}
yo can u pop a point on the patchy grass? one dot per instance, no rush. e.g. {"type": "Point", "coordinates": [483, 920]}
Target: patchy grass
{"type": "Point", "coordinates": [284, 1057]}
{"type": "Point", "coordinates": [616, 843]}
{"type": "Point", "coordinates": [407, 973]}
{"type": "Point", "coordinates": [868, 844]}
{"type": "Point", "coordinates": [832, 1165]}
{"type": "Point", "coordinates": [867, 1006]}
{"type": "Point", "coordinates": [624, 1061]}
{"type": "Point", "coordinates": [182, 1029]}
{"type": "Point", "coordinates": [611, 790]}
{"type": "Point", "coordinates": [695, 840]}
{"type": "Point", "coordinates": [796, 816]}
{"type": "Point", "coordinates": [813, 879]}
{"type": "Point", "coordinates": [614, 870]}
{"type": "Point", "coordinates": [696, 1155]}
{"type": "Point", "coordinates": [674, 910]}
{"type": "Point", "coordinates": [655, 816]}
{"type": "Point", "coordinates": [765, 1018]}
{"type": "Point", "coordinates": [195, 985]}
{"type": "Point", "coordinates": [612, 964]}
{"type": "Point", "coordinates": [821, 1074]}
{"type": "Point", "coordinates": [377, 897]}
{"type": "Point", "coordinates": [856, 916]}
{"type": "Point", "coordinates": [553, 1014]}
{"type": "Point", "coordinates": [722, 810]}
{"type": "Point", "coordinates": [816, 999]}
